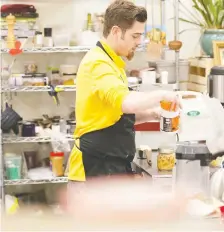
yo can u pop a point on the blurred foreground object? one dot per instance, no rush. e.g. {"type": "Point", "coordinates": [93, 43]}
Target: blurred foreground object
{"type": "Point", "coordinates": [115, 204]}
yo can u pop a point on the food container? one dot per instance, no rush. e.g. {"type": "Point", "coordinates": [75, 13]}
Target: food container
{"type": "Point", "coordinates": [55, 77]}
{"type": "Point", "coordinates": [68, 79]}
{"type": "Point", "coordinates": [28, 129]}
{"type": "Point", "coordinates": [166, 159]}
{"type": "Point", "coordinates": [27, 80]}
{"type": "Point", "coordinates": [71, 124]}
{"type": "Point", "coordinates": [57, 163]}
{"type": "Point", "coordinates": [68, 69]}
{"type": "Point", "coordinates": [170, 117]}
{"type": "Point", "coordinates": [40, 81]}
{"type": "Point", "coordinates": [13, 165]}
{"type": "Point", "coordinates": [30, 67]}
{"type": "Point", "coordinates": [61, 40]}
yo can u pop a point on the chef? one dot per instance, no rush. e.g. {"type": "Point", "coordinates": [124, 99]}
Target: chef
{"type": "Point", "coordinates": [106, 109]}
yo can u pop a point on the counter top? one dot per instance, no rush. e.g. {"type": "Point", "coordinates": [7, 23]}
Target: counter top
{"type": "Point", "coordinates": [151, 170]}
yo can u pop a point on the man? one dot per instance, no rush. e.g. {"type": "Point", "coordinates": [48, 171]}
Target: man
{"type": "Point", "coordinates": [106, 110]}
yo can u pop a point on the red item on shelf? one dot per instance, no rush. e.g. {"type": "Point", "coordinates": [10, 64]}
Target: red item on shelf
{"type": "Point", "coordinates": [16, 50]}
{"type": "Point", "coordinates": [17, 8]}
{"type": "Point", "coordinates": [56, 154]}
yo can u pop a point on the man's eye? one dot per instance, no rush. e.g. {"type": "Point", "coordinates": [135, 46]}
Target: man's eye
{"type": "Point", "coordinates": [135, 36]}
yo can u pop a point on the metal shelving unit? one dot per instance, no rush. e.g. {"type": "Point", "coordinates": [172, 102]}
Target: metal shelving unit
{"type": "Point", "coordinates": [65, 88]}
{"type": "Point", "coordinates": [75, 49]}
{"type": "Point", "coordinates": [39, 181]}
{"type": "Point", "coordinates": [16, 139]}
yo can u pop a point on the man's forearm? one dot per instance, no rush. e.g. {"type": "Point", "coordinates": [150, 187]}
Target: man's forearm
{"type": "Point", "coordinates": [148, 115]}
{"type": "Point", "coordinates": [138, 102]}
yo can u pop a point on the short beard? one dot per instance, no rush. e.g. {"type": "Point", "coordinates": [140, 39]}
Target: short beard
{"type": "Point", "coordinates": [131, 54]}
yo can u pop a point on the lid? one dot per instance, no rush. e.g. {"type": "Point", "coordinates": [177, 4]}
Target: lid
{"type": "Point", "coordinates": [38, 33]}
{"type": "Point", "coordinates": [166, 150]}
{"type": "Point", "coordinates": [55, 71]}
{"type": "Point", "coordinates": [47, 32]}
{"type": "Point", "coordinates": [56, 154]}
{"type": "Point", "coordinates": [217, 70]}
{"type": "Point", "coordinates": [73, 122]}
{"type": "Point", "coordinates": [68, 74]}
{"type": "Point", "coordinates": [193, 151]}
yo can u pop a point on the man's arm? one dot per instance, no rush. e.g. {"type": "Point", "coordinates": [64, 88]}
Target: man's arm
{"type": "Point", "coordinates": [146, 116]}
{"type": "Point", "coordinates": [138, 102]}
{"type": "Point", "coordinates": [114, 92]}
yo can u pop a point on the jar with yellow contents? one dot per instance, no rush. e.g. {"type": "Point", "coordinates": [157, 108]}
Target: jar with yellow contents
{"type": "Point", "coordinates": [166, 159]}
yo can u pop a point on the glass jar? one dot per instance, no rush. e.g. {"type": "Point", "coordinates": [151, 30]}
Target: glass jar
{"type": "Point", "coordinates": [55, 77]}
{"type": "Point", "coordinates": [166, 159]}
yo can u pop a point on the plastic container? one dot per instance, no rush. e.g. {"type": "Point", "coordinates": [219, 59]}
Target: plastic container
{"type": "Point", "coordinates": [57, 163]}
{"type": "Point", "coordinates": [68, 79]}
{"type": "Point", "coordinates": [170, 117]}
{"type": "Point", "coordinates": [170, 67]}
{"type": "Point", "coordinates": [13, 165]}
{"type": "Point", "coordinates": [61, 40]}
{"type": "Point", "coordinates": [55, 77]}
{"type": "Point", "coordinates": [68, 69]}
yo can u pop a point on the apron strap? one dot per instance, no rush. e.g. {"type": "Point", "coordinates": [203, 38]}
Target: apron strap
{"type": "Point", "coordinates": [98, 44]}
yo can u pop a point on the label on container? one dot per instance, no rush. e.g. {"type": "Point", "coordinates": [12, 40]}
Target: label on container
{"type": "Point", "coordinates": [193, 113]}
{"type": "Point", "coordinates": [169, 124]}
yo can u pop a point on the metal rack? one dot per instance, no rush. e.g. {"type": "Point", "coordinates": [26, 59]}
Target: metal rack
{"type": "Point", "coordinates": [16, 139]}
{"type": "Point", "coordinates": [39, 181]}
{"type": "Point", "coordinates": [65, 88]}
{"type": "Point", "coordinates": [75, 49]}
{"type": "Point", "coordinates": [6, 90]}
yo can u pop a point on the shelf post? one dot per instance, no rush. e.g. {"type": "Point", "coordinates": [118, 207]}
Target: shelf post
{"type": "Point", "coordinates": [176, 38]}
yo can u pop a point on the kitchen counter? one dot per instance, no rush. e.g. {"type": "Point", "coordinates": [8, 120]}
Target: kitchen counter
{"type": "Point", "coordinates": [151, 170]}
{"type": "Point", "coordinates": [163, 180]}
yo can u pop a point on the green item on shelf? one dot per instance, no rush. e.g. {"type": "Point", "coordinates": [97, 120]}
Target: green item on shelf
{"type": "Point", "coordinates": [13, 165]}
{"type": "Point", "coordinates": [13, 172]}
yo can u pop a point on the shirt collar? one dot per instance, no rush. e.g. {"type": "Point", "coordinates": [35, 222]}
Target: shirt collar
{"type": "Point", "coordinates": [117, 59]}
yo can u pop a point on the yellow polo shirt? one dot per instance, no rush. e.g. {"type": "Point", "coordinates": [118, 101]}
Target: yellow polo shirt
{"type": "Point", "coordinates": [101, 87]}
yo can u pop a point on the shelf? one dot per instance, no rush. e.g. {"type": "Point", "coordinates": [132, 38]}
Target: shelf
{"type": "Point", "coordinates": [66, 88]}
{"type": "Point", "coordinates": [29, 181]}
{"type": "Point", "coordinates": [74, 49]}
{"type": "Point", "coordinates": [17, 139]}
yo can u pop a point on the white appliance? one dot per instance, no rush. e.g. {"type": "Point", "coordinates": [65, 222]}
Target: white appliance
{"type": "Point", "coordinates": [202, 119]}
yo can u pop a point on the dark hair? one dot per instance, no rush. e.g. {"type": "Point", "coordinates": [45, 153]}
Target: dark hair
{"type": "Point", "coordinates": [123, 13]}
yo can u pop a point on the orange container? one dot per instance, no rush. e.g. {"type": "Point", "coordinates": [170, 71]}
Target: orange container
{"type": "Point", "coordinates": [170, 116]}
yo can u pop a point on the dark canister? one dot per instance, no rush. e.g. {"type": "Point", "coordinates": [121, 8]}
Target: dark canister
{"type": "Point", "coordinates": [28, 129]}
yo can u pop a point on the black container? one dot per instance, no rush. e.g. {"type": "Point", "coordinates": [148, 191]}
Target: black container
{"type": "Point", "coordinates": [28, 129]}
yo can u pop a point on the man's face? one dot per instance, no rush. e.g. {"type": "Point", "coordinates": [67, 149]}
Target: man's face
{"type": "Point", "coordinates": [127, 41]}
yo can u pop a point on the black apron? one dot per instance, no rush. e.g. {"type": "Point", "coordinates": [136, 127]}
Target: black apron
{"type": "Point", "coordinates": [110, 150]}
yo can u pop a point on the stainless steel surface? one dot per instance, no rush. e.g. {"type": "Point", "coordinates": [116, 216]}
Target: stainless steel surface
{"type": "Point", "coordinates": [151, 170]}
{"type": "Point", "coordinates": [217, 87]}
